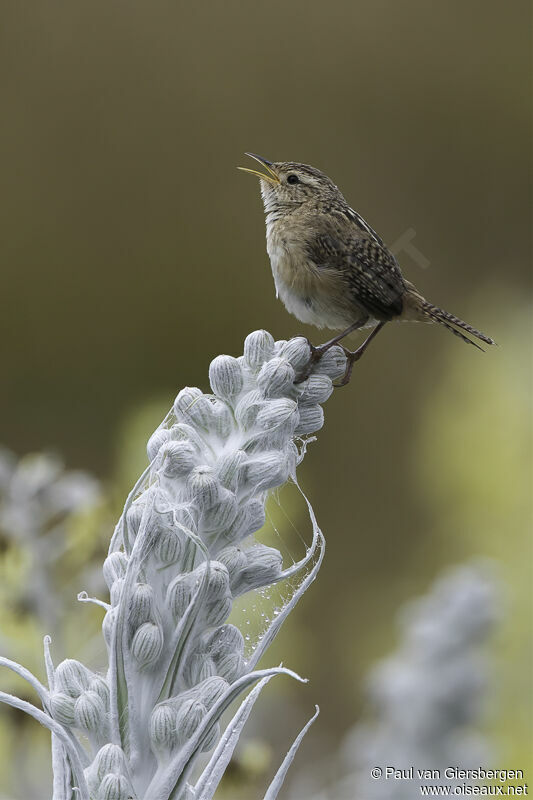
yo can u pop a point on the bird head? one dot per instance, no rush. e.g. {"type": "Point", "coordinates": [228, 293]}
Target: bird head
{"type": "Point", "coordinates": [288, 184]}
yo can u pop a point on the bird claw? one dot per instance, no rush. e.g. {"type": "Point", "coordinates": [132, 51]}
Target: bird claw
{"type": "Point", "coordinates": [351, 357]}
{"type": "Point", "coordinates": [314, 358]}
{"type": "Point", "coordinates": [316, 355]}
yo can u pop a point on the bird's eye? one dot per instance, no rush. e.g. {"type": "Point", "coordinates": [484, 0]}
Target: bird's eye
{"type": "Point", "coordinates": [293, 179]}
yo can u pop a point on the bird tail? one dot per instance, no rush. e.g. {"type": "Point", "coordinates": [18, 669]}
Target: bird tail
{"type": "Point", "coordinates": [451, 322]}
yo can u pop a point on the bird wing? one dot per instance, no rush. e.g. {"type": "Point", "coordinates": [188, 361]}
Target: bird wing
{"type": "Point", "coordinates": [370, 271]}
{"type": "Point", "coordinates": [363, 224]}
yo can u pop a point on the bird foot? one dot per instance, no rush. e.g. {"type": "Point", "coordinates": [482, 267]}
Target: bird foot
{"type": "Point", "coordinates": [351, 357]}
{"type": "Point", "coordinates": [354, 355]}
{"type": "Point", "coordinates": [316, 355]}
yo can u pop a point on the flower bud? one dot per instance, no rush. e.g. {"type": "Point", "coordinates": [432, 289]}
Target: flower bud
{"type": "Point", "coordinates": [225, 639]}
{"type": "Point", "coordinates": [228, 469]}
{"type": "Point", "coordinates": [276, 378]}
{"type": "Point", "coordinates": [218, 611]}
{"type": "Point", "coordinates": [142, 604]}
{"type": "Point", "coordinates": [316, 389]}
{"type": "Point", "coordinates": [234, 560]}
{"type": "Point", "coordinates": [134, 517]}
{"type": "Point", "coordinates": [230, 666]}
{"type": "Point", "coordinates": [62, 708]}
{"type": "Point", "coordinates": [279, 415]}
{"type": "Point", "coordinates": [115, 787]}
{"type": "Point", "coordinates": [110, 758]}
{"type": "Point", "coordinates": [266, 471]}
{"type": "Point", "coordinates": [181, 432]}
{"type": "Point", "coordinates": [193, 407]}
{"type": "Point", "coordinates": [203, 487]}
{"type": "Point", "coordinates": [147, 644]}
{"type": "Point", "coordinates": [115, 566]}
{"type": "Point", "coordinates": [99, 685]}
{"type": "Point", "coordinates": [163, 727]}
{"type": "Point", "coordinates": [189, 715]}
{"type": "Point", "coordinates": [156, 440]}
{"type": "Point", "coordinates": [258, 348]}
{"type": "Point", "coordinates": [89, 712]}
{"type": "Point", "coordinates": [115, 593]}
{"type": "Point", "coordinates": [264, 567]}
{"type": "Point", "coordinates": [179, 595]}
{"type": "Point", "coordinates": [248, 408]}
{"type": "Point", "coordinates": [198, 667]}
{"type": "Point", "coordinates": [210, 690]}
{"type": "Point", "coordinates": [311, 419]}
{"type": "Point", "coordinates": [168, 546]}
{"type": "Point", "coordinates": [222, 515]}
{"type": "Point", "coordinates": [217, 587]}
{"type": "Point", "coordinates": [250, 518]}
{"type": "Point", "coordinates": [332, 363]}
{"type": "Point", "coordinates": [222, 422]}
{"type": "Point", "coordinates": [218, 581]}
{"type": "Point", "coordinates": [296, 351]}
{"type": "Point", "coordinates": [72, 677]}
{"type": "Point", "coordinates": [204, 669]}
{"type": "Point", "coordinates": [177, 459]}
{"type": "Point", "coordinates": [225, 377]}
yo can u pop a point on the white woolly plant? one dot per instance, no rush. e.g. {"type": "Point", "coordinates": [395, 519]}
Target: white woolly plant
{"type": "Point", "coordinates": [181, 553]}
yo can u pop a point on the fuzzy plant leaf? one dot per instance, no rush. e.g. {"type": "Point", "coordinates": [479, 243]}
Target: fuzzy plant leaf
{"type": "Point", "coordinates": [212, 774]}
{"type": "Point", "coordinates": [274, 788]}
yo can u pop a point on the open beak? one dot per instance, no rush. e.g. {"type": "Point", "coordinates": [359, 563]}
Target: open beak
{"type": "Point", "coordinates": [271, 177]}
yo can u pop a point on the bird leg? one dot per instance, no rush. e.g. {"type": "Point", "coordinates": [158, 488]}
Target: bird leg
{"type": "Point", "coordinates": [355, 355]}
{"type": "Point", "coordinates": [318, 352]}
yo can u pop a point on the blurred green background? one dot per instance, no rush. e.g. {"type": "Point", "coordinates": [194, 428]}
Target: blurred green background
{"type": "Point", "coordinates": [133, 252]}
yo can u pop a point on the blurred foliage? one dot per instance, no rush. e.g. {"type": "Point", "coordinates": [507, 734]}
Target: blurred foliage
{"type": "Point", "coordinates": [51, 526]}
{"type": "Point", "coordinates": [133, 252]}
{"type": "Point", "coordinates": [474, 464]}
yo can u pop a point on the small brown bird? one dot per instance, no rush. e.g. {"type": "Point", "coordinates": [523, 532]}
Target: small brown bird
{"type": "Point", "coordinates": [330, 268]}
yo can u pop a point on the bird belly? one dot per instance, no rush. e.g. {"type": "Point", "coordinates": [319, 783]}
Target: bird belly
{"type": "Point", "coordinates": [307, 294]}
{"type": "Point", "coordinates": [312, 309]}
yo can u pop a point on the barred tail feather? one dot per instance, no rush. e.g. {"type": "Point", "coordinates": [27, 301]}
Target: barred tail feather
{"type": "Point", "coordinates": [449, 321]}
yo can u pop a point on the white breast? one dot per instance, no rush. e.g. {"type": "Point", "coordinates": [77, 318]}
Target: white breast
{"type": "Point", "coordinates": [297, 286]}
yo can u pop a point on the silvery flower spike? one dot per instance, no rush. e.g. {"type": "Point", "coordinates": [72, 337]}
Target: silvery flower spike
{"type": "Point", "coordinates": [182, 551]}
